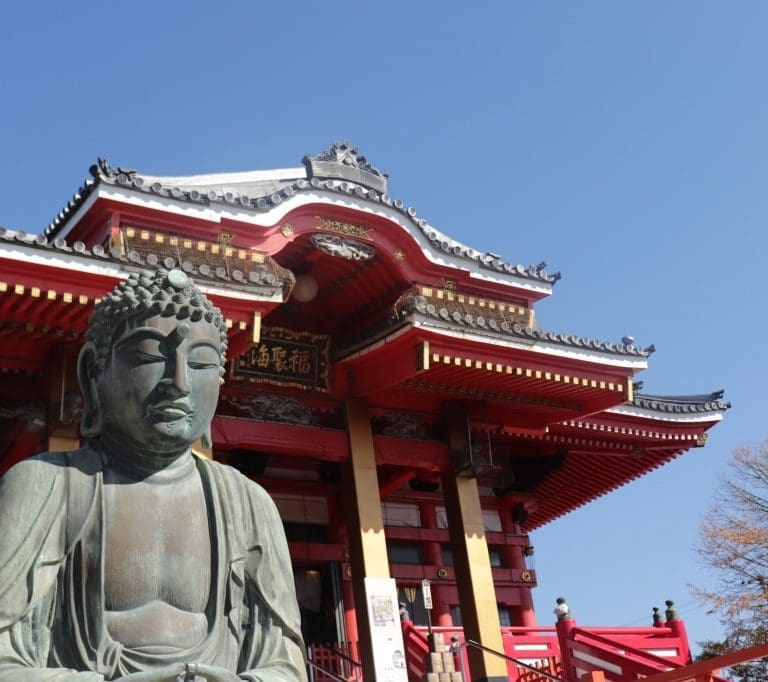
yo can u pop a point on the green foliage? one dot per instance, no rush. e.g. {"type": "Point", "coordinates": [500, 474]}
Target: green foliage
{"type": "Point", "coordinates": [752, 671]}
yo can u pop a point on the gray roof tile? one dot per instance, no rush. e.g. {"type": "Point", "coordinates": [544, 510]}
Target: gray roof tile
{"type": "Point", "coordinates": [681, 404]}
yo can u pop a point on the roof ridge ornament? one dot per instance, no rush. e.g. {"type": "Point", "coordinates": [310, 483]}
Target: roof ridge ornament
{"type": "Point", "coordinates": [344, 161]}
{"type": "Point", "coordinates": [102, 169]}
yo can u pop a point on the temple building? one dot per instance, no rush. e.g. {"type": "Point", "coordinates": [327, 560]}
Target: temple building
{"type": "Point", "coordinates": [388, 385]}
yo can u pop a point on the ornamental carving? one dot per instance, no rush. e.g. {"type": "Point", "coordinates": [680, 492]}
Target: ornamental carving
{"type": "Point", "coordinates": [404, 425]}
{"type": "Point", "coordinates": [347, 155]}
{"type": "Point", "coordinates": [347, 229]}
{"type": "Point", "coordinates": [273, 408]}
{"type": "Point", "coordinates": [343, 162]}
{"type": "Point", "coordinates": [342, 248]}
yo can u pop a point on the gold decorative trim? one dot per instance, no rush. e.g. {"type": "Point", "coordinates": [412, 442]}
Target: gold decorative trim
{"type": "Point", "coordinates": [527, 372]}
{"type": "Point", "coordinates": [256, 330]}
{"type": "Point", "coordinates": [347, 229]}
{"type": "Point", "coordinates": [223, 245]}
{"type": "Point", "coordinates": [422, 356]}
{"type": "Point", "coordinates": [287, 230]}
{"type": "Point", "coordinates": [225, 239]}
{"type": "Point", "coordinates": [449, 294]}
{"type": "Point", "coordinates": [399, 255]}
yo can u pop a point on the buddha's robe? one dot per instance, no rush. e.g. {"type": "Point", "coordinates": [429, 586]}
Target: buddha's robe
{"type": "Point", "coordinates": [51, 578]}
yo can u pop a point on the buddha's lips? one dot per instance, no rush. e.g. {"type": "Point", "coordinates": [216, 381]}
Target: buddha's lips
{"type": "Point", "coordinates": [170, 410]}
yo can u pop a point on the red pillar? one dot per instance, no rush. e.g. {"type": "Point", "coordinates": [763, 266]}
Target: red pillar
{"type": "Point", "coordinates": [350, 615]}
{"type": "Point", "coordinates": [337, 532]}
{"type": "Point", "coordinates": [514, 558]}
{"type": "Point", "coordinates": [433, 555]}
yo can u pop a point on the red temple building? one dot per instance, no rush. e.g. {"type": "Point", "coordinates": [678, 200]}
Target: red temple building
{"type": "Point", "coordinates": [389, 386]}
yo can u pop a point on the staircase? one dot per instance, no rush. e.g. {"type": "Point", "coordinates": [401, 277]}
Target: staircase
{"type": "Point", "coordinates": [571, 653]}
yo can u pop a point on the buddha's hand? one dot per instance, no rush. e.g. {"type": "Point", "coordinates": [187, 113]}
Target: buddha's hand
{"type": "Point", "coordinates": [213, 674]}
{"type": "Point", "coordinates": [170, 673]}
{"type": "Point", "coordinates": [181, 672]}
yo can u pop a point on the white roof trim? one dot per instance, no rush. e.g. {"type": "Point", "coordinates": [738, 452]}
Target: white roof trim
{"type": "Point", "coordinates": [208, 179]}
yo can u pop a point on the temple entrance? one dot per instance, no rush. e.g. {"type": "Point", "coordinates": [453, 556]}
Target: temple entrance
{"type": "Point", "coordinates": [318, 590]}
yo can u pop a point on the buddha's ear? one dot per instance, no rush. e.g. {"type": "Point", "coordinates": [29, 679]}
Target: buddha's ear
{"type": "Point", "coordinates": [87, 376]}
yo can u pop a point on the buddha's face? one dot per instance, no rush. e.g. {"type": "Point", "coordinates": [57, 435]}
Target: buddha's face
{"type": "Point", "coordinates": [159, 389]}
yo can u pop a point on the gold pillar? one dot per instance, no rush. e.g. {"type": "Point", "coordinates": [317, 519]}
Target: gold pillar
{"type": "Point", "coordinates": [472, 563]}
{"type": "Point", "coordinates": [365, 524]}
{"type": "Point", "coordinates": [199, 449]}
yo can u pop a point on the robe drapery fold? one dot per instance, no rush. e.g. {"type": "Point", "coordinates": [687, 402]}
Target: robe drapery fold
{"type": "Point", "coordinates": [51, 577]}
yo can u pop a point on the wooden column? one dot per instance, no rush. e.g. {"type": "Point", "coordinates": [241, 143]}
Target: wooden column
{"type": "Point", "coordinates": [433, 555]}
{"type": "Point", "coordinates": [524, 613]}
{"type": "Point", "coordinates": [63, 425]}
{"type": "Point", "coordinates": [472, 563]}
{"type": "Point", "coordinates": [365, 524]}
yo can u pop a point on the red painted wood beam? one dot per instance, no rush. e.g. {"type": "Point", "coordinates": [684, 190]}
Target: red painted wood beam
{"type": "Point", "coordinates": [394, 481]}
{"type": "Point", "coordinates": [422, 455]}
{"type": "Point", "coordinates": [389, 365]}
{"type": "Point", "coordinates": [230, 433]}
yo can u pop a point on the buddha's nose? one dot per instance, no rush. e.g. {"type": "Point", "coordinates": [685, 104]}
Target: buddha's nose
{"type": "Point", "coordinates": [176, 382]}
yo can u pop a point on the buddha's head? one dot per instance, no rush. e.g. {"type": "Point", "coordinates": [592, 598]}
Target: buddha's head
{"type": "Point", "coordinates": [152, 365]}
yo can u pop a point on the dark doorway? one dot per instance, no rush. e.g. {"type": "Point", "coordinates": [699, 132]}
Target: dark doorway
{"type": "Point", "coordinates": [319, 596]}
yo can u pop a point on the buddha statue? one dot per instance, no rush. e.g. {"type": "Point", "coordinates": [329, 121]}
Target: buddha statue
{"type": "Point", "coordinates": [130, 558]}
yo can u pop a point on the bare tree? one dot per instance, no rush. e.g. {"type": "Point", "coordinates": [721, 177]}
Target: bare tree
{"type": "Point", "coordinates": [733, 543]}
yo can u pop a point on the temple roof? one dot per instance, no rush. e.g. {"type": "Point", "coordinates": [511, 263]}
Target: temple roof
{"type": "Point", "coordinates": [340, 170]}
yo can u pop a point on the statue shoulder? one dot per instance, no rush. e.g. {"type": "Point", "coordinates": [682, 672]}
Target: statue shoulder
{"type": "Point", "coordinates": [241, 483]}
{"type": "Point", "coordinates": [46, 467]}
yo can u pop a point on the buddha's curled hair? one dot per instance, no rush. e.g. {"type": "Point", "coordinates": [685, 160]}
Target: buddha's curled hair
{"type": "Point", "coordinates": [144, 295]}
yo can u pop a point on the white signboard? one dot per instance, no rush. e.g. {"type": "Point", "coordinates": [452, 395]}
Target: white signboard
{"type": "Point", "coordinates": [426, 592]}
{"type": "Point", "coordinates": [386, 631]}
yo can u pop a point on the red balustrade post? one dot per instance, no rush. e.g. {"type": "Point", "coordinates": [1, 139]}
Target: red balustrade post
{"type": "Point", "coordinates": [564, 627]}
{"type": "Point", "coordinates": [677, 626]}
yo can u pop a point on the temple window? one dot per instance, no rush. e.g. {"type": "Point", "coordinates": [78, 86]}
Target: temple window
{"type": "Point", "coordinates": [398, 514]}
{"type": "Point", "coordinates": [404, 553]}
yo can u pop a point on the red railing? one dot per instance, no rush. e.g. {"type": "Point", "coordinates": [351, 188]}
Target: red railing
{"type": "Point", "coordinates": [621, 653]}
{"type": "Point", "coordinates": [341, 660]}
{"type": "Point", "coordinates": [416, 651]}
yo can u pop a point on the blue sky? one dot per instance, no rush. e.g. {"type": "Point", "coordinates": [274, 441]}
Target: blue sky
{"type": "Point", "coordinates": [625, 143]}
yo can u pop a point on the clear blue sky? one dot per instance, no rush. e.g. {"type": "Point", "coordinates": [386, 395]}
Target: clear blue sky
{"type": "Point", "coordinates": [625, 143]}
